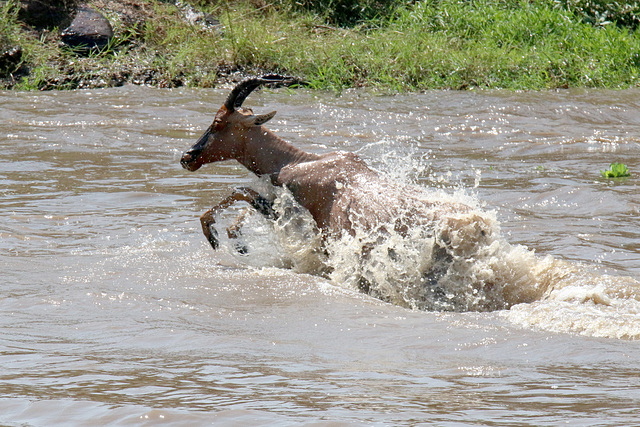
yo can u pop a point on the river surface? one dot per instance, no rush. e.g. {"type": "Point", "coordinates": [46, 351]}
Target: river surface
{"type": "Point", "coordinates": [114, 310]}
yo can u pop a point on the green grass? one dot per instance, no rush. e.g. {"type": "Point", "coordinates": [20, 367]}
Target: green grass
{"type": "Point", "coordinates": [9, 34]}
{"type": "Point", "coordinates": [445, 44]}
{"type": "Point", "coordinates": [419, 45]}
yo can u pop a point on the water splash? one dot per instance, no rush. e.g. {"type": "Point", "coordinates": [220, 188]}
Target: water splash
{"type": "Point", "coordinates": [578, 300]}
{"type": "Point", "coordinates": [457, 260]}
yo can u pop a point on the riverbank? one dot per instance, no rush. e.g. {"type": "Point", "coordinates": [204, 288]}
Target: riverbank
{"type": "Point", "coordinates": [443, 44]}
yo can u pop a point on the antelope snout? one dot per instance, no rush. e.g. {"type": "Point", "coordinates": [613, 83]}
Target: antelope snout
{"type": "Point", "coordinates": [188, 160]}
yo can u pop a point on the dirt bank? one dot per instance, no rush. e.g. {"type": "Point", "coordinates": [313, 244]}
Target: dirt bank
{"type": "Point", "coordinates": [34, 53]}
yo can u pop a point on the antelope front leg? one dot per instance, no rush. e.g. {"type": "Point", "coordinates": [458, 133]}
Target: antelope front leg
{"type": "Point", "coordinates": [248, 195]}
{"type": "Point", "coordinates": [207, 220]}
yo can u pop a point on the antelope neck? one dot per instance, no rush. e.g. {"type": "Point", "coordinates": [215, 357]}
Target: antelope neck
{"type": "Point", "coordinates": [266, 154]}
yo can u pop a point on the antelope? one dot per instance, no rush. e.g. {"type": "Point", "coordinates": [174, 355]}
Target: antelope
{"type": "Point", "coordinates": [340, 191]}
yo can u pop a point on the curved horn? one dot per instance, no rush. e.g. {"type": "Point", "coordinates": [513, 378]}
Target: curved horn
{"type": "Point", "coordinates": [248, 85]}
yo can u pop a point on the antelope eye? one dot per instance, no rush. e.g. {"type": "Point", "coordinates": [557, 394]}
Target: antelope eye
{"type": "Point", "coordinates": [217, 124]}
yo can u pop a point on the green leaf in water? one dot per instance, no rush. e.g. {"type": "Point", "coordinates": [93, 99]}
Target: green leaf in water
{"type": "Point", "coordinates": [616, 170]}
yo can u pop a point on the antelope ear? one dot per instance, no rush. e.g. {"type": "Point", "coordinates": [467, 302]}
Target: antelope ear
{"type": "Point", "coordinates": [263, 118]}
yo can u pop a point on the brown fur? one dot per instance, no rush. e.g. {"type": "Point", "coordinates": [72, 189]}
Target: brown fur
{"type": "Point", "coordinates": [339, 189]}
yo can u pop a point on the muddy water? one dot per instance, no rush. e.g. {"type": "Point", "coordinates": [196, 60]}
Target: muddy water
{"type": "Point", "coordinates": [114, 310]}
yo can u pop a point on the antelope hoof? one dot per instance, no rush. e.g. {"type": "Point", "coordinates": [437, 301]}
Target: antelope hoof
{"type": "Point", "coordinates": [212, 237]}
{"type": "Point", "coordinates": [234, 233]}
{"type": "Point", "coordinates": [241, 249]}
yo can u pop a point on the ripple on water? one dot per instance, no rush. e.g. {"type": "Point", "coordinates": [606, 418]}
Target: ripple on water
{"type": "Point", "coordinates": [115, 310]}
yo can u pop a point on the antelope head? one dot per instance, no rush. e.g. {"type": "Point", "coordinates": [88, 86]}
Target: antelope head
{"type": "Point", "coordinates": [225, 137]}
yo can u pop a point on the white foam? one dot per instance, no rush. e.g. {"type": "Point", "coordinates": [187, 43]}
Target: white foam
{"type": "Point", "coordinates": [583, 302]}
{"type": "Point", "coordinates": [458, 261]}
